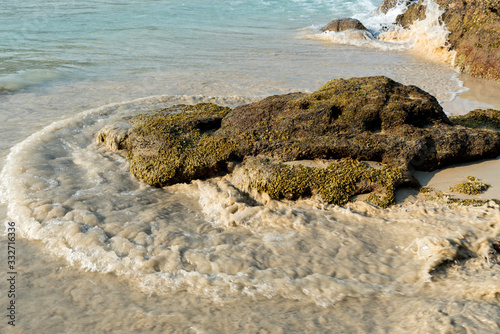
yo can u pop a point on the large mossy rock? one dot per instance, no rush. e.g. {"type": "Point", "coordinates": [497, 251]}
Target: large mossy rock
{"type": "Point", "coordinates": [372, 119]}
{"type": "Point", "coordinates": [474, 32]}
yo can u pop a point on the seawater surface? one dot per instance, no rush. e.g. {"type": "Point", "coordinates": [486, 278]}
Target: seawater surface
{"type": "Point", "coordinates": [100, 251]}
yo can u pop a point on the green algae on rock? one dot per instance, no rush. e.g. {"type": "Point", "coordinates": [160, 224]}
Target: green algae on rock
{"type": "Point", "coordinates": [175, 144]}
{"type": "Point", "coordinates": [473, 202]}
{"type": "Point", "coordinates": [337, 183]}
{"type": "Point", "coordinates": [473, 186]}
{"type": "Point", "coordinates": [478, 119]}
{"type": "Point", "coordinates": [432, 194]}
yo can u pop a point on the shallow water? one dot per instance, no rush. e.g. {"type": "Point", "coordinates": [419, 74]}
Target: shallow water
{"type": "Point", "coordinates": [98, 250]}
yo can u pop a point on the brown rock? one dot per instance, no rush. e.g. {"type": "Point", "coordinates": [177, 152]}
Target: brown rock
{"type": "Point", "coordinates": [388, 4]}
{"type": "Point", "coordinates": [474, 32]}
{"type": "Point", "coordinates": [344, 24]}
{"type": "Point", "coordinates": [372, 118]}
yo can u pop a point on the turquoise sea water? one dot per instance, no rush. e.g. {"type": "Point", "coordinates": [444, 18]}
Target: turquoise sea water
{"type": "Point", "coordinates": [54, 41]}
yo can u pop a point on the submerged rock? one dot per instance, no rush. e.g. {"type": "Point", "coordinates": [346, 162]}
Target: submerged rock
{"type": "Point", "coordinates": [474, 31]}
{"type": "Point", "coordinates": [344, 24]}
{"type": "Point", "coordinates": [371, 119]}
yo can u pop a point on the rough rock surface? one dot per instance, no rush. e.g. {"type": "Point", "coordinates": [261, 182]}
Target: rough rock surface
{"type": "Point", "coordinates": [479, 118]}
{"type": "Point", "coordinates": [172, 145]}
{"type": "Point", "coordinates": [344, 24]}
{"type": "Point", "coordinates": [386, 5]}
{"type": "Point", "coordinates": [372, 119]}
{"type": "Point", "coordinates": [336, 183]}
{"type": "Point", "coordinates": [474, 32]}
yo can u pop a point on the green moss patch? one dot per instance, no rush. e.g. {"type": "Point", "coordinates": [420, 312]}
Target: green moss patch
{"type": "Point", "coordinates": [426, 190]}
{"type": "Point", "coordinates": [473, 186]}
{"type": "Point", "coordinates": [472, 202]}
{"type": "Point", "coordinates": [479, 118]}
{"type": "Point", "coordinates": [436, 195]}
{"type": "Point", "coordinates": [175, 144]}
{"type": "Point", "coordinates": [336, 184]}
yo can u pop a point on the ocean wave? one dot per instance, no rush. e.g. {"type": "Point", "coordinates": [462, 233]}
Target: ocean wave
{"type": "Point", "coordinates": [426, 38]}
{"type": "Point", "coordinates": [14, 82]}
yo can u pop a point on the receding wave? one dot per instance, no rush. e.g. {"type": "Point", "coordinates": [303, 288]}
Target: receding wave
{"type": "Point", "coordinates": [23, 79]}
{"type": "Point", "coordinates": [218, 239]}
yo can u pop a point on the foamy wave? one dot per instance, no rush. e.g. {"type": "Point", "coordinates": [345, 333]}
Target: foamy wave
{"type": "Point", "coordinates": [358, 38]}
{"type": "Point", "coordinates": [427, 38]}
{"type": "Point", "coordinates": [377, 21]}
{"type": "Point", "coordinates": [226, 205]}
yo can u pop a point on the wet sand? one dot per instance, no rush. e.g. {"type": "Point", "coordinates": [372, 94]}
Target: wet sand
{"type": "Point", "coordinates": [481, 93]}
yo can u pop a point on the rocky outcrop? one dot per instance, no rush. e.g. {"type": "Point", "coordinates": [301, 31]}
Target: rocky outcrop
{"type": "Point", "coordinates": [386, 5]}
{"type": "Point", "coordinates": [372, 119]}
{"type": "Point", "coordinates": [474, 32]}
{"type": "Point", "coordinates": [479, 119]}
{"type": "Point", "coordinates": [344, 24]}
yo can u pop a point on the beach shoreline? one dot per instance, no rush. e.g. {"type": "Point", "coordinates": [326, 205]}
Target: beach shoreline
{"type": "Point", "coordinates": [479, 94]}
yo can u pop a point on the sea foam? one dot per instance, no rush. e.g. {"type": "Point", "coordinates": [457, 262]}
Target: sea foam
{"type": "Point", "coordinates": [426, 38]}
